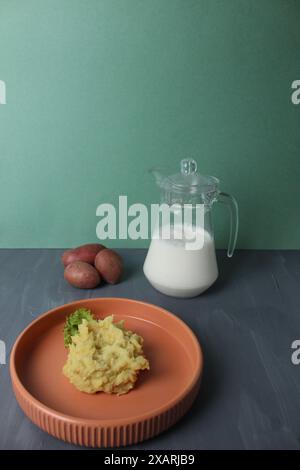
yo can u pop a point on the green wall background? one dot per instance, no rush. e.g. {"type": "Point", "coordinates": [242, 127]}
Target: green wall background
{"type": "Point", "coordinates": [99, 91]}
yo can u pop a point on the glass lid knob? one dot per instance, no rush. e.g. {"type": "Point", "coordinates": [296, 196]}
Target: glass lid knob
{"type": "Point", "coordinates": [188, 166]}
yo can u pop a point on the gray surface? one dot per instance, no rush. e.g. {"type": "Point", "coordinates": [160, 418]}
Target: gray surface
{"type": "Point", "coordinates": [246, 323]}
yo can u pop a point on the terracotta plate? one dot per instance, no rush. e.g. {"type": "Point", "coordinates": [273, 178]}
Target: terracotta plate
{"type": "Point", "coordinates": [159, 399]}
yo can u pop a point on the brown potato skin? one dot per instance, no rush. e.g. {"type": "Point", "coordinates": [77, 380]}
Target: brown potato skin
{"type": "Point", "coordinates": [82, 275]}
{"type": "Point", "coordinates": [110, 265]}
{"type": "Point", "coordinates": [86, 253]}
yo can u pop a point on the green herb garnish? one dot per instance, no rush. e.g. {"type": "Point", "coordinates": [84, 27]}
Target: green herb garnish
{"type": "Point", "coordinates": [72, 323]}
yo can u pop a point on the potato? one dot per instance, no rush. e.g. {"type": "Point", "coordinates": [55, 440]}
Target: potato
{"type": "Point", "coordinates": [82, 275]}
{"type": "Point", "coordinates": [86, 253]}
{"type": "Point", "coordinates": [110, 265]}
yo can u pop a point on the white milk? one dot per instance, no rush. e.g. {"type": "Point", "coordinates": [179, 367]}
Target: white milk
{"type": "Point", "coordinates": [174, 270]}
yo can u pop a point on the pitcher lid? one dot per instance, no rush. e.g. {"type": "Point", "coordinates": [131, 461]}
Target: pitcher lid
{"type": "Point", "coordinates": [189, 180]}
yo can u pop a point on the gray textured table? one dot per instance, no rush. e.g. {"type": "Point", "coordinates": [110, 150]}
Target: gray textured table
{"type": "Point", "coordinates": [250, 395]}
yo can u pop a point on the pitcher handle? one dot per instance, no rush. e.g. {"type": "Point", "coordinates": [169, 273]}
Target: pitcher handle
{"type": "Point", "coordinates": [234, 220]}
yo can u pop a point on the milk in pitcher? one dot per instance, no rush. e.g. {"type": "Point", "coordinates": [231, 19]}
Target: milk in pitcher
{"type": "Point", "coordinates": [175, 269]}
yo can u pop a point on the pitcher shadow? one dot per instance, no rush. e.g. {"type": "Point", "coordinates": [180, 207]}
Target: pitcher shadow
{"type": "Point", "coordinates": [229, 269]}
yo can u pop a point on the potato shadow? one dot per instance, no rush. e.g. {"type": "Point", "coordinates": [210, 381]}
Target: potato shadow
{"type": "Point", "coordinates": [133, 264]}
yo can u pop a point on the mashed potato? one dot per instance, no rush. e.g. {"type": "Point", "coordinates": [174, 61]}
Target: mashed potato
{"type": "Point", "coordinates": [104, 356]}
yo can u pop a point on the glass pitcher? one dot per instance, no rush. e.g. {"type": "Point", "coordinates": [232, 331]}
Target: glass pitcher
{"type": "Point", "coordinates": [181, 260]}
